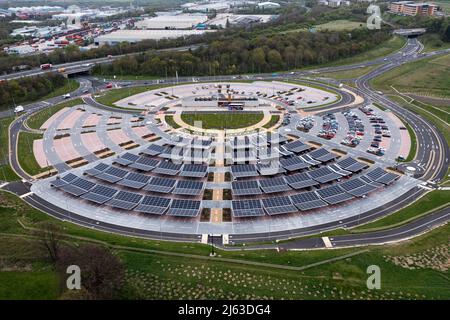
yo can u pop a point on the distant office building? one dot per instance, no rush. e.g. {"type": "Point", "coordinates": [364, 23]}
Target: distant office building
{"type": "Point", "coordinates": [411, 8]}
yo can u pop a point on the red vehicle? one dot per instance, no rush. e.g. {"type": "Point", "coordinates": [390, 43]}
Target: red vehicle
{"type": "Point", "coordinates": [109, 86]}
{"type": "Point", "coordinates": [46, 66]}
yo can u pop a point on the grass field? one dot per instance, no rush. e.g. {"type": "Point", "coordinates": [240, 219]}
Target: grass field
{"type": "Point", "coordinates": [347, 74]}
{"type": "Point", "coordinates": [428, 202]}
{"type": "Point", "coordinates": [425, 77]}
{"type": "Point", "coordinates": [36, 120]}
{"type": "Point", "coordinates": [222, 121]}
{"type": "Point", "coordinates": [153, 275]}
{"type": "Point", "coordinates": [6, 173]}
{"type": "Point", "coordinates": [340, 25]}
{"type": "Point", "coordinates": [24, 152]}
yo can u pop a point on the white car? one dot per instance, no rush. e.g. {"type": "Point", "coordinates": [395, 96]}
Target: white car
{"type": "Point", "coordinates": [66, 96]}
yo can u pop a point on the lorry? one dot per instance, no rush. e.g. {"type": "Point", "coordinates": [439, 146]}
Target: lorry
{"type": "Point", "coordinates": [46, 66]}
{"type": "Point", "coordinates": [61, 70]}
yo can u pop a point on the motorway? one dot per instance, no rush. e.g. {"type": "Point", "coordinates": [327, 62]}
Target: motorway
{"type": "Point", "coordinates": [84, 65]}
{"type": "Point", "coordinates": [432, 156]}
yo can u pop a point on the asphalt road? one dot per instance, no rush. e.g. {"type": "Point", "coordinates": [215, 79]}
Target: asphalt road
{"type": "Point", "coordinates": [432, 153]}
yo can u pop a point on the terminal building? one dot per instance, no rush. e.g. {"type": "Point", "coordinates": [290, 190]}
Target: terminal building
{"type": "Point", "coordinates": [411, 8]}
{"type": "Point", "coordinates": [225, 97]}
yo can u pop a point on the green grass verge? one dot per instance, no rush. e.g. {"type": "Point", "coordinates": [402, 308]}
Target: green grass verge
{"type": "Point", "coordinates": [273, 121]}
{"type": "Point", "coordinates": [71, 85]}
{"type": "Point", "coordinates": [412, 136]}
{"type": "Point", "coordinates": [6, 172]}
{"type": "Point", "coordinates": [156, 275]}
{"type": "Point", "coordinates": [35, 285]}
{"type": "Point", "coordinates": [171, 122]}
{"type": "Point", "coordinates": [348, 74]}
{"type": "Point", "coordinates": [24, 151]}
{"type": "Point", "coordinates": [221, 121]}
{"type": "Point", "coordinates": [423, 77]}
{"type": "Point", "coordinates": [428, 202]}
{"type": "Point", "coordinates": [36, 120]}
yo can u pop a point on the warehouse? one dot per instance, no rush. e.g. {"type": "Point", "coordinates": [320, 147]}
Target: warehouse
{"type": "Point", "coordinates": [140, 35]}
{"type": "Point", "coordinates": [182, 21]}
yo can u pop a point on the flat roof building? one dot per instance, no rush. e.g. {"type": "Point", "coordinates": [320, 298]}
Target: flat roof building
{"type": "Point", "coordinates": [140, 35]}
{"type": "Point", "coordinates": [411, 8]}
{"type": "Point", "coordinates": [182, 21]}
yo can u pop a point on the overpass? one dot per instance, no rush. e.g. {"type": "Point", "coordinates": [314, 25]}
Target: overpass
{"type": "Point", "coordinates": [410, 32]}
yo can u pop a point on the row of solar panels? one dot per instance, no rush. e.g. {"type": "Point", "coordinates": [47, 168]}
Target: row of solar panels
{"type": "Point", "coordinates": [147, 164]}
{"type": "Point", "coordinates": [304, 201]}
{"type": "Point", "coordinates": [125, 200]}
{"type": "Point", "coordinates": [137, 180]}
{"type": "Point", "coordinates": [293, 163]}
{"type": "Point", "coordinates": [287, 183]}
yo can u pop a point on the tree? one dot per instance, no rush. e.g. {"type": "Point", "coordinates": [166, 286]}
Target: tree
{"type": "Point", "coordinates": [49, 237]}
{"type": "Point", "coordinates": [102, 273]}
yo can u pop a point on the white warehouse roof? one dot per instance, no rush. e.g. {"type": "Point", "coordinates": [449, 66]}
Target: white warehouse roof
{"type": "Point", "coordinates": [139, 35]}
{"type": "Point", "coordinates": [182, 21]}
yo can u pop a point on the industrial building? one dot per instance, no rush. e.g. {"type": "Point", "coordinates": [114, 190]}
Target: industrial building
{"type": "Point", "coordinates": [181, 21]}
{"type": "Point", "coordinates": [411, 8]}
{"type": "Point", "coordinates": [140, 35]}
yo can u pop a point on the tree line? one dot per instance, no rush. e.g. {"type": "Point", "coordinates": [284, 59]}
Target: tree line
{"type": "Point", "coordinates": [27, 89]}
{"type": "Point", "coordinates": [243, 53]}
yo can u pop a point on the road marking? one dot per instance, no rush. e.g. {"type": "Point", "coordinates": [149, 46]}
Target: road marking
{"type": "Point", "coordinates": [3, 185]}
{"type": "Point", "coordinates": [25, 195]}
{"type": "Point", "coordinates": [327, 242]}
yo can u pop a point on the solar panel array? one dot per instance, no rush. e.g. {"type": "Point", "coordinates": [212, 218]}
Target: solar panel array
{"type": "Point", "coordinates": [294, 163]}
{"type": "Point", "coordinates": [184, 208]}
{"type": "Point", "coordinates": [126, 159]}
{"type": "Point", "coordinates": [153, 205]}
{"type": "Point", "coordinates": [144, 163]}
{"type": "Point", "coordinates": [300, 181]}
{"type": "Point", "coordinates": [188, 187]}
{"type": "Point", "coordinates": [247, 208]}
{"type": "Point", "coordinates": [324, 175]}
{"type": "Point", "coordinates": [272, 185]}
{"type": "Point", "coordinates": [245, 187]}
{"type": "Point", "coordinates": [307, 201]}
{"type": "Point", "coordinates": [194, 170]}
{"type": "Point", "coordinates": [243, 170]}
{"type": "Point", "coordinates": [296, 146]}
{"type": "Point", "coordinates": [162, 185]}
{"type": "Point", "coordinates": [334, 194]}
{"type": "Point", "coordinates": [97, 169]}
{"type": "Point", "coordinates": [278, 205]}
{"type": "Point", "coordinates": [112, 174]}
{"type": "Point", "coordinates": [351, 164]}
{"type": "Point", "coordinates": [134, 180]}
{"type": "Point", "coordinates": [167, 167]}
{"type": "Point", "coordinates": [322, 155]}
